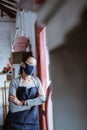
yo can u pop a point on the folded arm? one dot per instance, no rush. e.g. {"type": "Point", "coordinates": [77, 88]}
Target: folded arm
{"type": "Point", "coordinates": [16, 105]}
{"type": "Point", "coordinates": [13, 105]}
{"type": "Point", "coordinates": [41, 95]}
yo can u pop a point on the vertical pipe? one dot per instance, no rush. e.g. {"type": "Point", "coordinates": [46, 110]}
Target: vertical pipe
{"type": "Point", "coordinates": [41, 66]}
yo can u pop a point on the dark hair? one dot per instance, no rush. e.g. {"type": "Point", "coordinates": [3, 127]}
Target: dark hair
{"type": "Point", "coordinates": [24, 59]}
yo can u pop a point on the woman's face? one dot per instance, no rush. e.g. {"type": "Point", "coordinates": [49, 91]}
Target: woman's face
{"type": "Point", "coordinates": [29, 66]}
{"type": "Point", "coordinates": [31, 61]}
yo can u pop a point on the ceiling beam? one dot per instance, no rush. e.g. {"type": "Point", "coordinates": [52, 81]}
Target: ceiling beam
{"type": "Point", "coordinates": [13, 1]}
{"type": "Point", "coordinates": [9, 7]}
{"type": "Point", "coordinates": [9, 3]}
{"type": "Point", "coordinates": [10, 13]}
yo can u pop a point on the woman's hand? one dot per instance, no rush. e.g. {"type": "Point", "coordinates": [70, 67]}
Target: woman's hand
{"type": "Point", "coordinates": [15, 100]}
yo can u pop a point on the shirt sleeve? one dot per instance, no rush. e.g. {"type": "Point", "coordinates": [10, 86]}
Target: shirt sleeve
{"type": "Point", "coordinates": [12, 90]}
{"type": "Point", "coordinates": [41, 98]}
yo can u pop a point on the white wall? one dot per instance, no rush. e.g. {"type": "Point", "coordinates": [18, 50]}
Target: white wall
{"type": "Point", "coordinates": [69, 82]}
{"type": "Point", "coordinates": [27, 23]}
{"type": "Point", "coordinates": [62, 20]}
{"type": "Point", "coordinates": [69, 79]}
{"type": "Point", "coordinates": [67, 36]}
{"type": "Point", "coordinates": [65, 19]}
{"type": "Point", "coordinates": [7, 31]}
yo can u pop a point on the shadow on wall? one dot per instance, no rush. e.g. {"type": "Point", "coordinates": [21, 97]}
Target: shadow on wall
{"type": "Point", "coordinates": [75, 45]}
{"type": "Point", "coordinates": [78, 36]}
{"type": "Point", "coordinates": [69, 77]}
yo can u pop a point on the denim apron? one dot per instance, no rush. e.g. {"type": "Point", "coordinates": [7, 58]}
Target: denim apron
{"type": "Point", "coordinates": [27, 119]}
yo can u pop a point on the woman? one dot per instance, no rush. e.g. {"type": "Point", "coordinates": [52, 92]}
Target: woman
{"type": "Point", "coordinates": [25, 94]}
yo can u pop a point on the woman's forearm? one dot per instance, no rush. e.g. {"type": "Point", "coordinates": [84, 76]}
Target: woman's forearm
{"type": "Point", "coordinates": [16, 108]}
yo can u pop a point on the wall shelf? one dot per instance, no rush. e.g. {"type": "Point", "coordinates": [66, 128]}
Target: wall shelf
{"type": "Point", "coordinates": [16, 57]}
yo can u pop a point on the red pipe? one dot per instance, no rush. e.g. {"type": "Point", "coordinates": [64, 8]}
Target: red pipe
{"type": "Point", "coordinates": [41, 66]}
